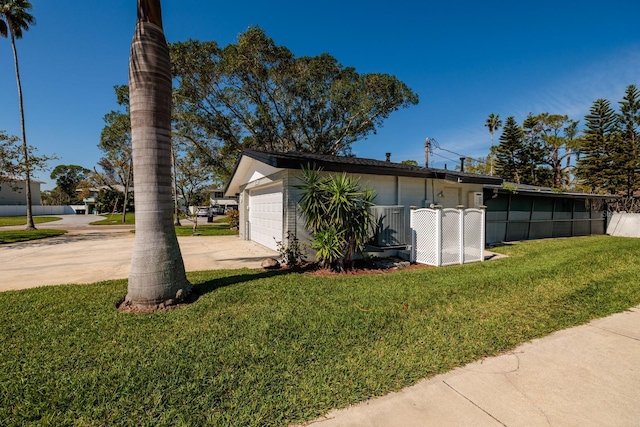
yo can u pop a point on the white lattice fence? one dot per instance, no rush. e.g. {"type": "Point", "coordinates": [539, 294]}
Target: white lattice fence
{"type": "Point", "coordinates": [447, 236]}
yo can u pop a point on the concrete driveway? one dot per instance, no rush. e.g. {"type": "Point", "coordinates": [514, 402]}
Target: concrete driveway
{"type": "Point", "coordinates": [88, 254]}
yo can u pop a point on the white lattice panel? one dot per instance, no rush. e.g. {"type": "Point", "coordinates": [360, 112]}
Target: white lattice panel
{"type": "Point", "coordinates": [473, 235]}
{"type": "Point", "coordinates": [424, 235]}
{"type": "Point", "coordinates": [447, 236]}
{"type": "Point", "coordinates": [450, 236]}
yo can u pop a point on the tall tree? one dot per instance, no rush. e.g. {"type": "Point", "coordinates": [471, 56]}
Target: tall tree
{"type": "Point", "coordinates": [573, 140]}
{"type": "Point", "coordinates": [629, 152]}
{"type": "Point", "coordinates": [115, 143]}
{"type": "Point", "coordinates": [533, 156]}
{"type": "Point", "coordinates": [255, 94]}
{"type": "Point", "coordinates": [509, 151]}
{"type": "Point", "coordinates": [596, 168]}
{"type": "Point", "coordinates": [14, 19]}
{"type": "Point", "coordinates": [157, 275]}
{"type": "Point", "coordinates": [493, 123]}
{"type": "Point", "coordinates": [557, 132]}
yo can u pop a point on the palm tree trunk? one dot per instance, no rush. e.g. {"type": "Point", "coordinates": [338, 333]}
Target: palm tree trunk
{"type": "Point", "coordinates": [157, 276]}
{"type": "Point", "coordinates": [25, 147]}
{"type": "Point", "coordinates": [176, 207]}
{"type": "Point", "coordinates": [126, 190]}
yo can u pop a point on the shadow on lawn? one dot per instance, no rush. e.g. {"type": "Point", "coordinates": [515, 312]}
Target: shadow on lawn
{"type": "Point", "coordinates": [212, 285]}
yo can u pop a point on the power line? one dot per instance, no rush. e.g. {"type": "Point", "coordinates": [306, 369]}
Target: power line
{"type": "Point", "coordinates": [431, 143]}
{"type": "Point", "coordinates": [444, 157]}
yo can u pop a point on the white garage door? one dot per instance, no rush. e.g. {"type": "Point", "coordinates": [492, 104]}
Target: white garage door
{"type": "Point", "coordinates": [265, 215]}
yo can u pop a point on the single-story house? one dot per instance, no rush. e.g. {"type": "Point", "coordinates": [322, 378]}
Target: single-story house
{"type": "Point", "coordinates": [264, 183]}
{"type": "Point", "coordinates": [12, 191]}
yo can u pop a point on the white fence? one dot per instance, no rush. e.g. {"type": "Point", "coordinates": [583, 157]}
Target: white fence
{"type": "Point", "coordinates": [447, 236]}
{"type": "Point", "coordinates": [21, 210]}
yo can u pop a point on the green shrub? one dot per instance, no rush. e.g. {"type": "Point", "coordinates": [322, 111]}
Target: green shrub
{"type": "Point", "coordinates": [336, 211]}
{"type": "Point", "coordinates": [329, 246]}
{"type": "Point", "coordinates": [233, 218]}
{"type": "Point", "coordinates": [291, 250]}
{"type": "Point", "coordinates": [110, 200]}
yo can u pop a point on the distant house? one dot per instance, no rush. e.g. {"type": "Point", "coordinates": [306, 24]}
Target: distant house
{"type": "Point", "coordinates": [219, 201]}
{"type": "Point", "coordinates": [12, 191]}
{"type": "Point", "coordinates": [268, 199]}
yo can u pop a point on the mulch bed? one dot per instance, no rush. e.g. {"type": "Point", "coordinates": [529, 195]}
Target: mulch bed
{"type": "Point", "coordinates": [360, 267]}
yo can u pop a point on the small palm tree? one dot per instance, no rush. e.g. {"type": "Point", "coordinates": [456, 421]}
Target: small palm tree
{"type": "Point", "coordinates": [14, 19]}
{"type": "Point", "coordinates": [157, 276]}
{"type": "Point", "coordinates": [493, 123]}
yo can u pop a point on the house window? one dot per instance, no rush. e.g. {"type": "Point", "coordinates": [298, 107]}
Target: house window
{"type": "Point", "coordinates": [218, 195]}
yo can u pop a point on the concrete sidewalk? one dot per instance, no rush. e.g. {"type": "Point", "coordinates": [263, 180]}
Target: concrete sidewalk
{"type": "Point", "coordinates": [584, 376]}
{"type": "Point", "coordinates": [88, 254]}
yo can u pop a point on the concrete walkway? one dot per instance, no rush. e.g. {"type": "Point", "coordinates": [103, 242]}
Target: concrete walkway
{"type": "Point", "coordinates": [88, 254]}
{"type": "Point", "coordinates": [584, 376]}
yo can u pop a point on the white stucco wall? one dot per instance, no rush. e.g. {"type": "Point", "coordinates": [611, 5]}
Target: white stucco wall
{"type": "Point", "coordinates": [13, 193]}
{"type": "Point", "coordinates": [624, 224]}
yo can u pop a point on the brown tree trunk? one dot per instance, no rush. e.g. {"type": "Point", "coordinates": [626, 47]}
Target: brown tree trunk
{"type": "Point", "coordinates": [25, 147]}
{"type": "Point", "coordinates": [176, 207]}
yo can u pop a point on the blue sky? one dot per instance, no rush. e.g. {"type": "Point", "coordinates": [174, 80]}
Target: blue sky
{"type": "Point", "coordinates": [464, 59]}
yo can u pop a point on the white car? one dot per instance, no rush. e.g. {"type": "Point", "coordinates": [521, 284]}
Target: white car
{"type": "Point", "coordinates": [202, 212]}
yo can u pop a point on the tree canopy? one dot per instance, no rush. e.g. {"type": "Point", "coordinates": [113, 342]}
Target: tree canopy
{"type": "Point", "coordinates": [9, 154]}
{"type": "Point", "coordinates": [256, 94]}
{"type": "Point", "coordinates": [538, 152]}
{"type": "Point", "coordinates": [551, 149]}
{"type": "Point", "coordinates": [68, 179]}
{"type": "Point", "coordinates": [610, 151]}
{"type": "Point", "coordinates": [600, 148]}
{"type": "Point", "coordinates": [115, 143]}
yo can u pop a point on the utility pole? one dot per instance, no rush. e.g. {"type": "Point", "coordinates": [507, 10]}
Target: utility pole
{"type": "Point", "coordinates": [426, 151]}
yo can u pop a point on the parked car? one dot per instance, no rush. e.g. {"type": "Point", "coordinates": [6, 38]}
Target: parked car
{"type": "Point", "coordinates": [202, 212]}
{"type": "Point", "coordinates": [230, 208]}
{"type": "Point", "coordinates": [217, 210]}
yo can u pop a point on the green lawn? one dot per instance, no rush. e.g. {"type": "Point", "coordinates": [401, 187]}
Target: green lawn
{"type": "Point", "coordinates": [220, 226]}
{"type": "Point", "coordinates": [267, 348]}
{"type": "Point", "coordinates": [22, 220]}
{"type": "Point", "coordinates": [216, 229]}
{"type": "Point", "coordinates": [13, 236]}
{"type": "Point", "coordinates": [116, 219]}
